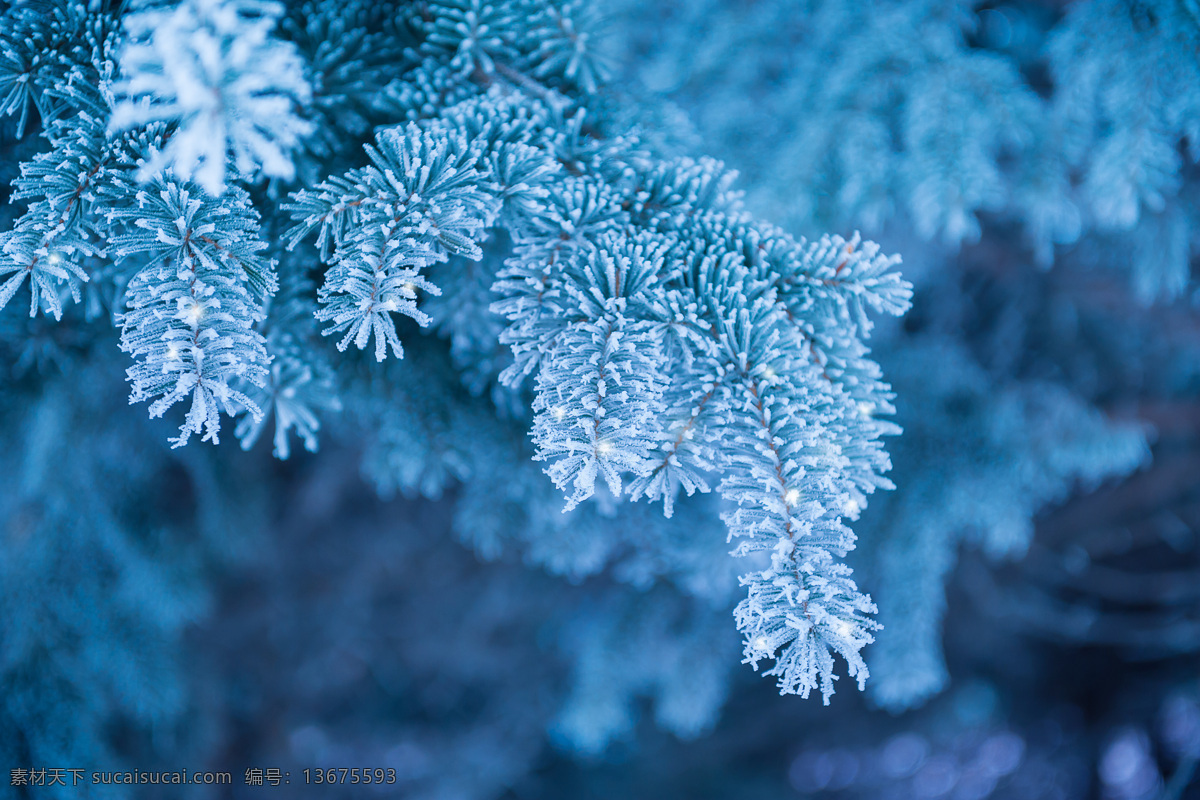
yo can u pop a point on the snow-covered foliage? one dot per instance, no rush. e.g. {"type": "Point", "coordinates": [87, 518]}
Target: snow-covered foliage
{"type": "Point", "coordinates": [212, 69]}
{"type": "Point", "coordinates": [632, 285]}
{"type": "Point", "coordinates": [674, 340]}
{"type": "Point", "coordinates": [483, 255]}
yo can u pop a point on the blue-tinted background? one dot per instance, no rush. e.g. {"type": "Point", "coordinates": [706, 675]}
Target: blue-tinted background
{"type": "Point", "coordinates": [377, 604]}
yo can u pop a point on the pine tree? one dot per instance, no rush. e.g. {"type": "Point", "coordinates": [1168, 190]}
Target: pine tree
{"type": "Point", "coordinates": [658, 336]}
{"type": "Point", "coordinates": [466, 242]}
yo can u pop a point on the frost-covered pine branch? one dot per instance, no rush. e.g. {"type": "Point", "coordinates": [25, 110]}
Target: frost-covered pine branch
{"type": "Point", "coordinates": [652, 334]}
{"type": "Point", "coordinates": [192, 308]}
{"type": "Point", "coordinates": [213, 69]}
{"type": "Point", "coordinates": [614, 304]}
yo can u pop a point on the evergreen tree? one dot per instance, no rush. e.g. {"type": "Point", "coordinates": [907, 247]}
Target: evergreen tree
{"type": "Point", "coordinates": [464, 243]}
